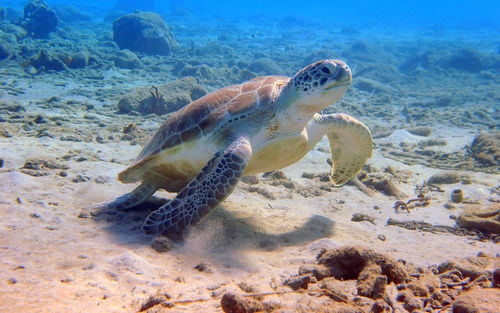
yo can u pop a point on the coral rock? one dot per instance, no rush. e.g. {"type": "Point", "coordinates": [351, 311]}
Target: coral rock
{"type": "Point", "coordinates": [39, 20]}
{"type": "Point", "coordinates": [486, 149]}
{"type": "Point", "coordinates": [232, 303]}
{"type": "Point", "coordinates": [478, 301]}
{"type": "Point", "coordinates": [145, 32]}
{"type": "Point", "coordinates": [162, 99]}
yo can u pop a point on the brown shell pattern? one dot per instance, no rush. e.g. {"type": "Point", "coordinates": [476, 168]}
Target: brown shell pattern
{"type": "Point", "coordinates": [203, 115]}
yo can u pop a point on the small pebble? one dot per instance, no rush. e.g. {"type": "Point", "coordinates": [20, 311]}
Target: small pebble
{"type": "Point", "coordinates": [381, 237]}
{"type": "Point", "coordinates": [12, 281]}
{"type": "Point", "coordinates": [151, 302]}
{"type": "Point", "coordinates": [466, 181]}
{"type": "Point", "coordinates": [101, 179]}
{"type": "Point", "coordinates": [162, 244]}
{"type": "Point", "coordinates": [84, 215]}
{"type": "Point", "coordinates": [251, 180]}
{"type": "Point", "coordinates": [299, 282]}
{"type": "Point", "coordinates": [79, 178]}
{"type": "Point", "coordinates": [1, 163]}
{"type": "Point", "coordinates": [88, 267]}
{"type": "Point", "coordinates": [324, 178]}
{"type": "Point", "coordinates": [278, 175]}
{"type": "Point", "coordinates": [40, 120]}
{"type": "Point", "coordinates": [35, 215]}
{"type": "Point", "coordinates": [246, 287]}
{"type": "Point", "coordinates": [203, 267]}
{"type": "Point", "coordinates": [217, 293]}
{"type": "Point", "coordinates": [214, 287]}
{"type": "Point", "coordinates": [449, 206]}
{"type": "Point", "coordinates": [360, 217]}
{"type": "Point", "coordinates": [99, 139]}
{"type": "Point", "coordinates": [307, 175]}
{"type": "Point", "coordinates": [63, 173]}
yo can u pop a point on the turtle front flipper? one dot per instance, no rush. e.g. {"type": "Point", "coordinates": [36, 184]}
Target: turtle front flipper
{"type": "Point", "coordinates": [213, 184]}
{"type": "Point", "coordinates": [350, 144]}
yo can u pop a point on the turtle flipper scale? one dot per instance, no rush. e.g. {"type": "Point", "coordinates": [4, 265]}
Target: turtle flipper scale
{"type": "Point", "coordinates": [213, 184]}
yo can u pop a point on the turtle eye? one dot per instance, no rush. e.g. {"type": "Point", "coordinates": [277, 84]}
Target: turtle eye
{"type": "Point", "coordinates": [329, 68]}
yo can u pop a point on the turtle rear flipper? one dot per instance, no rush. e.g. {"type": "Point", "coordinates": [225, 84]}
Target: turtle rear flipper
{"type": "Point", "coordinates": [129, 200]}
{"type": "Point", "coordinates": [214, 183]}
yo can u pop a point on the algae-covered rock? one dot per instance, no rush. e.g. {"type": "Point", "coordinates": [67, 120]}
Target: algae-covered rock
{"type": "Point", "coordinates": [162, 99]}
{"type": "Point", "coordinates": [13, 29]}
{"type": "Point", "coordinates": [202, 71]}
{"type": "Point", "coordinates": [478, 300]}
{"type": "Point", "coordinates": [444, 178]}
{"type": "Point", "coordinates": [371, 85]}
{"type": "Point", "coordinates": [126, 59]}
{"type": "Point", "coordinates": [486, 149]}
{"type": "Point", "coordinates": [383, 184]}
{"type": "Point", "coordinates": [46, 61]}
{"type": "Point", "coordinates": [265, 67]}
{"type": "Point", "coordinates": [484, 220]}
{"type": "Point", "coordinates": [470, 60]}
{"type": "Point", "coordinates": [144, 32]}
{"type": "Point", "coordinates": [233, 303]}
{"type": "Point", "coordinates": [350, 263]}
{"type": "Point", "coordinates": [78, 59]}
{"type": "Point", "coordinates": [414, 63]}
{"type": "Point", "coordinates": [215, 48]}
{"type": "Point", "coordinates": [7, 45]}
{"type": "Point", "coordinates": [39, 20]}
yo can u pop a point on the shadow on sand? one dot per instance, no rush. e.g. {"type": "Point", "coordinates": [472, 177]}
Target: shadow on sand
{"type": "Point", "coordinates": [221, 231]}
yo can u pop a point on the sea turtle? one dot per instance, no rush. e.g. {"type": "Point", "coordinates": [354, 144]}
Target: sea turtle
{"type": "Point", "coordinates": [265, 124]}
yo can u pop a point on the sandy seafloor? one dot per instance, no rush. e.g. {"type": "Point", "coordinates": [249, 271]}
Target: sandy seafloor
{"type": "Point", "coordinates": [57, 257]}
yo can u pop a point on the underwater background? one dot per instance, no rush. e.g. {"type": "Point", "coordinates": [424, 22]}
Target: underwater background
{"type": "Point", "coordinates": [85, 84]}
{"type": "Point", "coordinates": [410, 13]}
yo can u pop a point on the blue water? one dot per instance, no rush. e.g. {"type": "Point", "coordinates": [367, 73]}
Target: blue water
{"type": "Point", "coordinates": [416, 13]}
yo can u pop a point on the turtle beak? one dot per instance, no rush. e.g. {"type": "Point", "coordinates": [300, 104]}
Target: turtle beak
{"type": "Point", "coordinates": [340, 74]}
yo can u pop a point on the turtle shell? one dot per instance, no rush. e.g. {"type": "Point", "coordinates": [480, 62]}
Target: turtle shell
{"type": "Point", "coordinates": [202, 116]}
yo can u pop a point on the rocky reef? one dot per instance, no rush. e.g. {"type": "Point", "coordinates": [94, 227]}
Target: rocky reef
{"type": "Point", "coordinates": [162, 99]}
{"type": "Point", "coordinates": [144, 32]}
{"type": "Point", "coordinates": [39, 20]}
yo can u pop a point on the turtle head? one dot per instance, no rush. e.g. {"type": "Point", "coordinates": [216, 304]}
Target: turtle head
{"type": "Point", "coordinates": [320, 84]}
